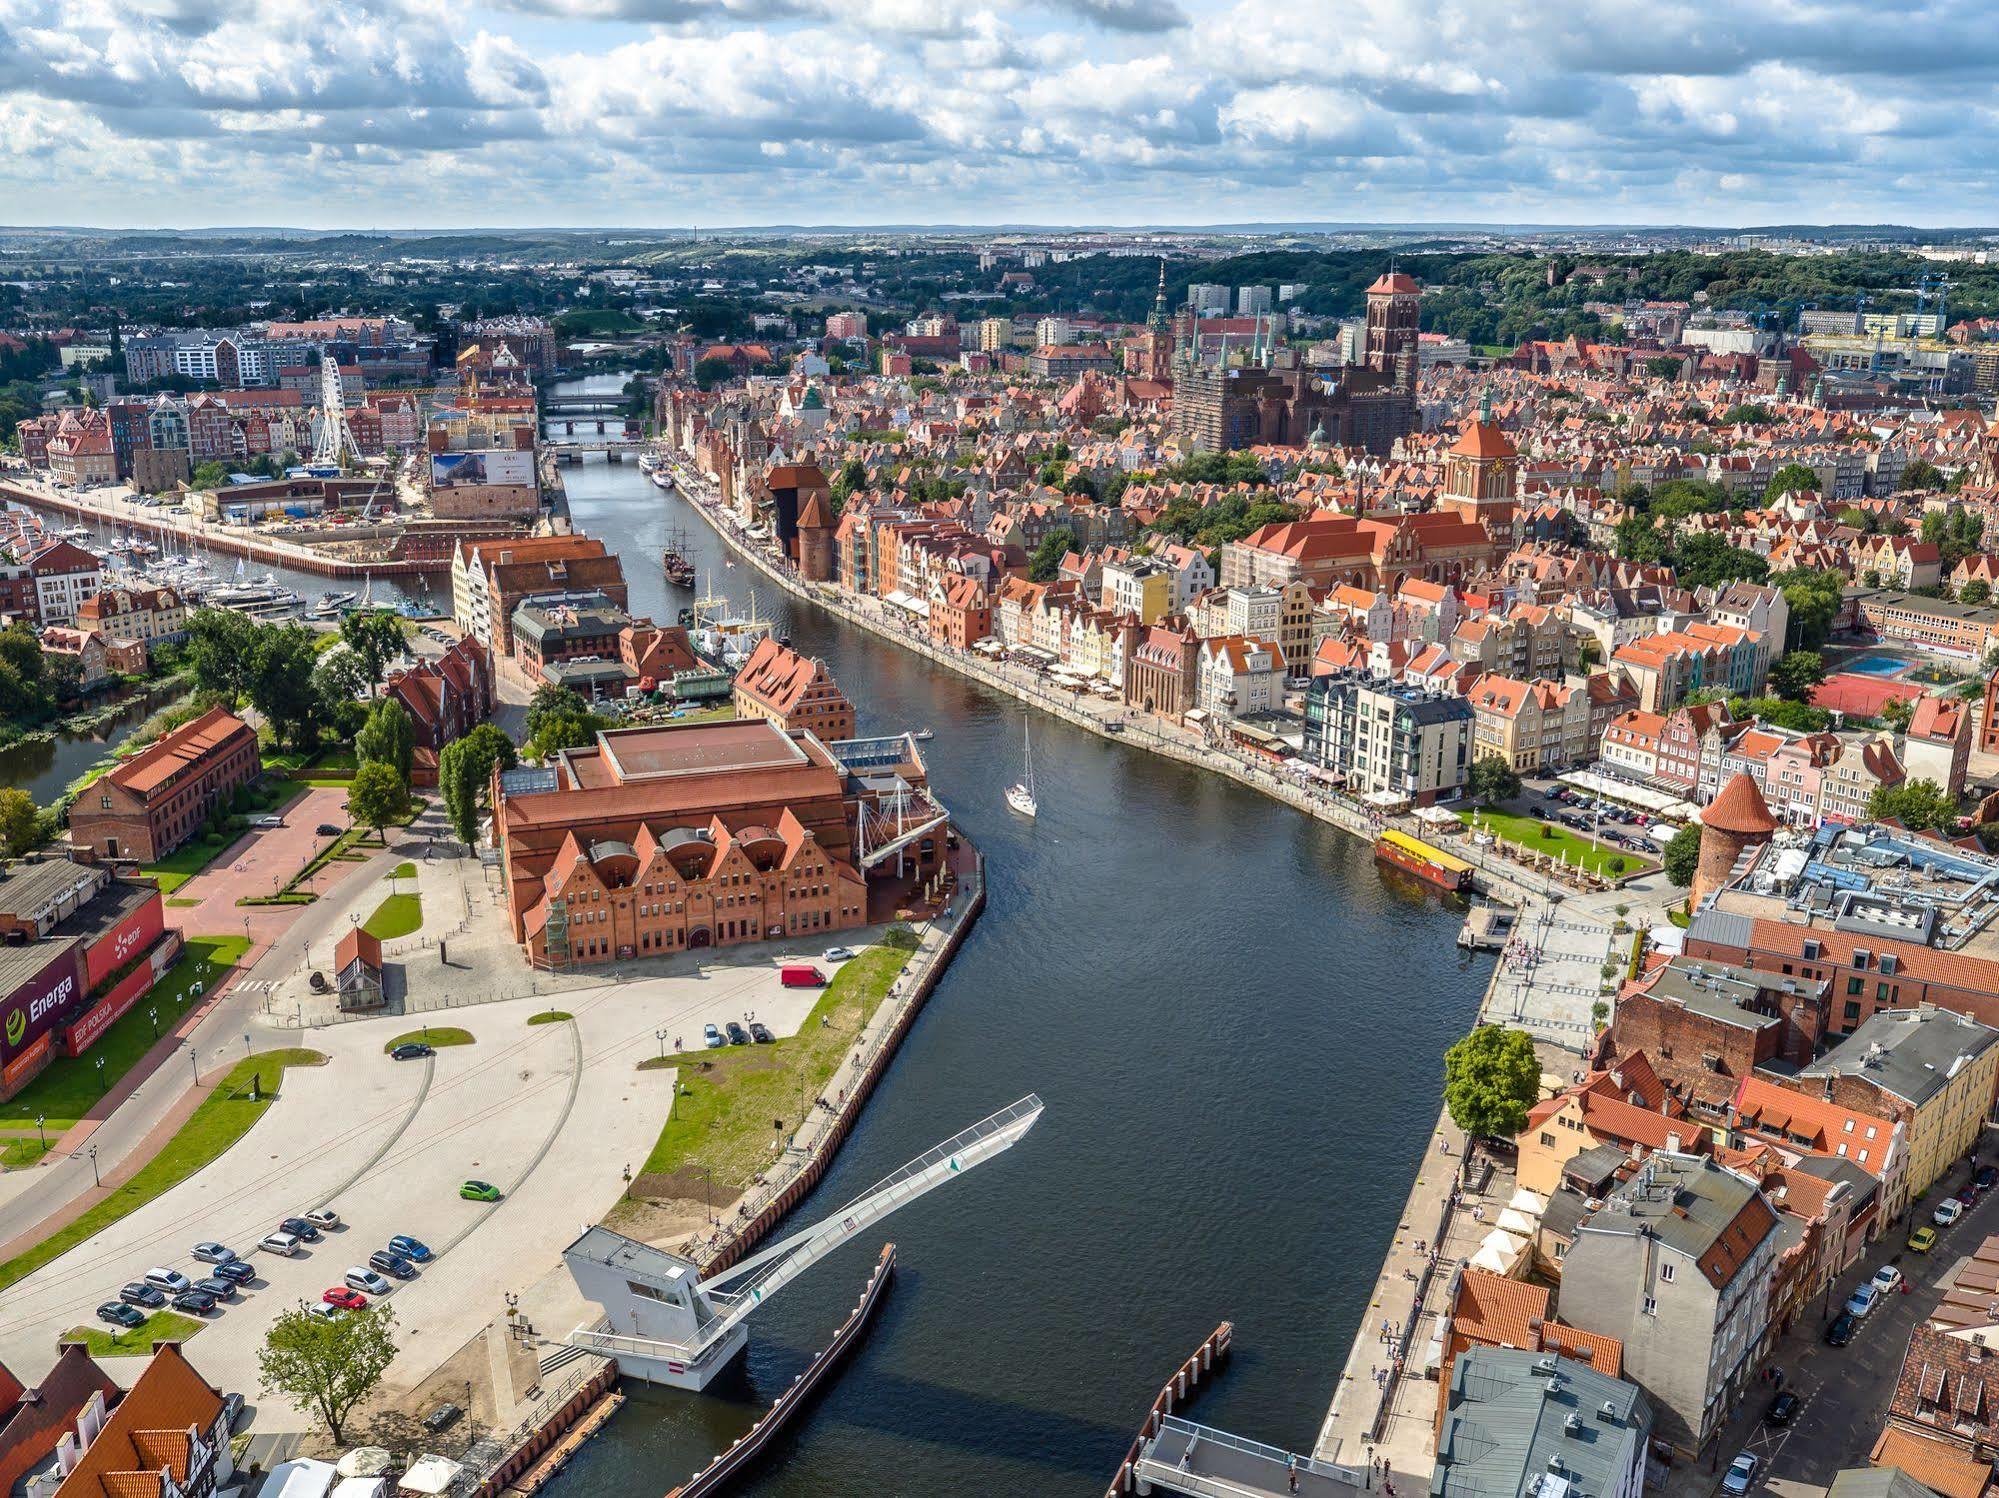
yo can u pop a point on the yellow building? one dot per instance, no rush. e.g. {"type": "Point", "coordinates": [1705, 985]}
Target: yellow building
{"type": "Point", "coordinates": [1931, 1070]}
{"type": "Point", "coordinates": [1620, 1106]}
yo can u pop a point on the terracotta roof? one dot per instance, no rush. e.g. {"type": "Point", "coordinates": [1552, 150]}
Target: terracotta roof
{"type": "Point", "coordinates": [1942, 1468]}
{"type": "Point", "coordinates": [140, 1437]}
{"type": "Point", "coordinates": [1484, 440]}
{"type": "Point", "coordinates": [1740, 809]}
{"type": "Point", "coordinates": [1393, 283]}
{"type": "Point", "coordinates": [146, 771]}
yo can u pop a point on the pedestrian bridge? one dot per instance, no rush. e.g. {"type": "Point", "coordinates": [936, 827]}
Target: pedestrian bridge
{"type": "Point", "coordinates": [1208, 1463]}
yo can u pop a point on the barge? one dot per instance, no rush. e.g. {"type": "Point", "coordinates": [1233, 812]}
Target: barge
{"type": "Point", "coordinates": [1430, 864]}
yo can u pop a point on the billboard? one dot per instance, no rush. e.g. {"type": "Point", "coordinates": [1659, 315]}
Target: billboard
{"type": "Point", "coordinates": [31, 1011]}
{"type": "Point", "coordinates": [489, 466]}
{"type": "Point", "coordinates": [113, 1006]}
{"type": "Point", "coordinates": [123, 942]}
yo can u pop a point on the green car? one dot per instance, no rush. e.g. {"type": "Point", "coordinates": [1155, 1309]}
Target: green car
{"type": "Point", "coordinates": [479, 1191]}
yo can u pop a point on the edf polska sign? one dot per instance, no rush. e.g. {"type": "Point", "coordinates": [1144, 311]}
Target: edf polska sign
{"type": "Point", "coordinates": [33, 1009]}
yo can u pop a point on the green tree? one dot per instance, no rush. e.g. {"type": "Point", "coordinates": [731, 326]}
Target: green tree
{"type": "Point", "coordinates": [1491, 1079]}
{"type": "Point", "coordinates": [465, 769]}
{"type": "Point", "coordinates": [282, 658]}
{"type": "Point", "coordinates": [1792, 478]}
{"type": "Point", "coordinates": [339, 682]}
{"type": "Point", "coordinates": [1047, 559]}
{"type": "Point", "coordinates": [1896, 713]}
{"type": "Point", "coordinates": [221, 651]}
{"type": "Point", "coordinates": [1976, 591]}
{"type": "Point", "coordinates": [328, 1366]}
{"type": "Point", "coordinates": [1813, 599]}
{"type": "Point", "coordinates": [377, 797]}
{"type": "Point", "coordinates": [1797, 672]}
{"type": "Point", "coordinates": [20, 822]}
{"type": "Point", "coordinates": [210, 475]}
{"type": "Point", "coordinates": [1492, 780]}
{"type": "Point", "coordinates": [376, 637]}
{"type": "Point", "coordinates": [709, 373]}
{"type": "Point", "coordinates": [550, 701]}
{"type": "Point", "coordinates": [1921, 474]}
{"type": "Point", "coordinates": [1662, 367]}
{"type": "Point", "coordinates": [1683, 855]}
{"type": "Point", "coordinates": [1919, 805]}
{"type": "Point", "coordinates": [565, 731]}
{"type": "Point", "coordinates": [388, 737]}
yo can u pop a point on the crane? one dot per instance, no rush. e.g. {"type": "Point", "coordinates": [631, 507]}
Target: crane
{"type": "Point", "coordinates": [668, 1324]}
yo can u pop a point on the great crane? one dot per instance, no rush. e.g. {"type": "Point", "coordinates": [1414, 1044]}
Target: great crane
{"type": "Point", "coordinates": [667, 1324]}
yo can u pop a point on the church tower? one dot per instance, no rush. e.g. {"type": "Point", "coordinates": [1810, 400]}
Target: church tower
{"type": "Point", "coordinates": [1481, 477]}
{"type": "Point", "coordinates": [1392, 312]}
{"type": "Point", "coordinates": [1157, 362]}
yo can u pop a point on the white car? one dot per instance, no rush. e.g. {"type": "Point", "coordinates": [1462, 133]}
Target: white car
{"type": "Point", "coordinates": [368, 1280]}
{"type": "Point", "coordinates": [278, 1243]}
{"type": "Point", "coordinates": [170, 1280]}
{"type": "Point", "coordinates": [323, 1218]}
{"type": "Point", "coordinates": [838, 954]}
{"type": "Point", "coordinates": [1887, 1279]}
{"type": "Point", "coordinates": [319, 1310]}
{"type": "Point", "coordinates": [1948, 1213]}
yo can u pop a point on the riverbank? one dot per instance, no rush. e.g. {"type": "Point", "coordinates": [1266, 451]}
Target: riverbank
{"type": "Point", "coordinates": [1107, 720]}
{"type": "Point", "coordinates": [186, 532]}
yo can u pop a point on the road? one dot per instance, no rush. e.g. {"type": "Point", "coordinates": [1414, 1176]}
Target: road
{"type": "Point", "coordinates": [1846, 1390]}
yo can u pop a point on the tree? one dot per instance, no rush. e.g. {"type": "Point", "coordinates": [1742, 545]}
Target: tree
{"type": "Point", "coordinates": [327, 1366]}
{"type": "Point", "coordinates": [20, 823]}
{"type": "Point", "coordinates": [565, 731]}
{"type": "Point", "coordinates": [377, 797]}
{"type": "Point", "coordinates": [1492, 780]}
{"type": "Point", "coordinates": [388, 737]}
{"type": "Point", "coordinates": [1896, 712]}
{"type": "Point", "coordinates": [209, 475]}
{"type": "Point", "coordinates": [1917, 804]}
{"type": "Point", "coordinates": [1662, 367]}
{"type": "Point", "coordinates": [1792, 478]}
{"type": "Point", "coordinates": [221, 651]}
{"type": "Point", "coordinates": [1920, 474]}
{"type": "Point", "coordinates": [1047, 559]}
{"type": "Point", "coordinates": [1683, 855]}
{"type": "Point", "coordinates": [464, 770]}
{"type": "Point", "coordinates": [282, 658]}
{"type": "Point", "coordinates": [709, 373]}
{"type": "Point", "coordinates": [1976, 591]}
{"type": "Point", "coordinates": [551, 701]}
{"type": "Point", "coordinates": [1491, 1079]}
{"type": "Point", "coordinates": [376, 637]}
{"type": "Point", "coordinates": [1797, 672]}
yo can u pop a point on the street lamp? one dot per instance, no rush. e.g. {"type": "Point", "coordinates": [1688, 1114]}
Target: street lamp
{"type": "Point", "coordinates": [660, 1036]}
{"type": "Point", "coordinates": [95, 1179]}
{"type": "Point", "coordinates": [40, 1119]}
{"type": "Point", "coordinates": [102, 1085]}
{"type": "Point", "coordinates": [154, 1015]}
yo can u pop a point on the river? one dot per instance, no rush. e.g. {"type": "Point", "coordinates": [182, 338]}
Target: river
{"type": "Point", "coordinates": [1236, 1019]}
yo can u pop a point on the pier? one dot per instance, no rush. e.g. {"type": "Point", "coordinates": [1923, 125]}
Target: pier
{"type": "Point", "coordinates": [1186, 1378]}
{"type": "Point", "coordinates": [1198, 1460]}
{"type": "Point", "coordinates": [222, 540]}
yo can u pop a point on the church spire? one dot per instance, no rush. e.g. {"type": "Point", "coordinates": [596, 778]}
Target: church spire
{"type": "Point", "coordinates": [1158, 318]}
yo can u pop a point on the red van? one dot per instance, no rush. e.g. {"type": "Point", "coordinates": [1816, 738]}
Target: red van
{"type": "Point", "coordinates": [800, 975]}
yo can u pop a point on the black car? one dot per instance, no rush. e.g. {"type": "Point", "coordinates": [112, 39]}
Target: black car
{"type": "Point", "coordinates": [139, 1293]}
{"type": "Point", "coordinates": [326, 829]}
{"type": "Point", "coordinates": [216, 1285]}
{"type": "Point", "coordinates": [119, 1314]}
{"type": "Point", "coordinates": [1987, 1177]}
{"type": "Point", "coordinates": [194, 1299]}
{"type": "Point", "coordinates": [390, 1263]}
{"type": "Point", "coordinates": [1841, 1331]}
{"type": "Point", "coordinates": [235, 1270]}
{"type": "Point", "coordinates": [1782, 1409]}
{"type": "Point", "coordinates": [760, 1032]}
{"type": "Point", "coordinates": [737, 1034]}
{"type": "Point", "coordinates": [300, 1229]}
{"type": "Point", "coordinates": [412, 1050]}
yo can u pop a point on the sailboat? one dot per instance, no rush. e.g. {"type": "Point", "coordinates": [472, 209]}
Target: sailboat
{"type": "Point", "coordinates": [1020, 796]}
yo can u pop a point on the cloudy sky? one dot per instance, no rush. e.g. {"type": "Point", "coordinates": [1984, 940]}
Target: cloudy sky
{"type": "Point", "coordinates": [386, 113]}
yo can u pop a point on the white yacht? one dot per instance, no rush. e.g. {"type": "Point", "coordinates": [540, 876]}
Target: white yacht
{"type": "Point", "coordinates": [1020, 795]}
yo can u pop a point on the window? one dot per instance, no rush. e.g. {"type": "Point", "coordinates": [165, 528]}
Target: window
{"type": "Point", "coordinates": [1853, 1010]}
{"type": "Point", "coordinates": [1666, 1273]}
{"type": "Point", "coordinates": [1651, 1306]}
{"type": "Point", "coordinates": [1547, 1138]}
{"type": "Point", "coordinates": [1855, 985]}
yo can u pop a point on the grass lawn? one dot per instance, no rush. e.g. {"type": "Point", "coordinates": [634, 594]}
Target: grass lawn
{"type": "Point", "coordinates": [432, 1035]}
{"type": "Point", "coordinates": [550, 1017]}
{"type": "Point", "coordinates": [21, 1151]}
{"type": "Point", "coordinates": [403, 871]}
{"type": "Point", "coordinates": [224, 1117]}
{"type": "Point", "coordinates": [71, 1085]}
{"type": "Point", "coordinates": [722, 1118]}
{"type": "Point", "coordinates": [106, 1341]}
{"type": "Point", "coordinates": [1555, 840]}
{"type": "Point", "coordinates": [398, 915]}
{"type": "Point", "coordinates": [1680, 918]}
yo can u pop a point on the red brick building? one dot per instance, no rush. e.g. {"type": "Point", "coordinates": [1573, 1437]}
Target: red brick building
{"type": "Point", "coordinates": [153, 802]}
{"type": "Point", "coordinates": [666, 839]}
{"type": "Point", "coordinates": [793, 691]}
{"type": "Point", "coordinates": [446, 699]}
{"type": "Point", "coordinates": [962, 614]}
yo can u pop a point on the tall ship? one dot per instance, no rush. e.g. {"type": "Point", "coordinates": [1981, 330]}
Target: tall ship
{"type": "Point", "coordinates": [726, 638]}
{"type": "Point", "coordinates": [1430, 864]}
{"type": "Point", "coordinates": [679, 570]}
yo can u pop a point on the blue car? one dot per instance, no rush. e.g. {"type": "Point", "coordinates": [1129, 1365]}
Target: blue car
{"type": "Point", "coordinates": [410, 1248]}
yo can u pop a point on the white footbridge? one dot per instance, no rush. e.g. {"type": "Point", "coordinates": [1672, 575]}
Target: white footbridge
{"type": "Point", "coordinates": [664, 1323]}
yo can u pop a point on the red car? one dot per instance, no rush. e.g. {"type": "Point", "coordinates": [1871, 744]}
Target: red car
{"type": "Point", "coordinates": [343, 1299]}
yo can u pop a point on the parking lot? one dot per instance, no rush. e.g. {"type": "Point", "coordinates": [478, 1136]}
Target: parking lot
{"type": "Point", "coordinates": [552, 1114]}
{"type": "Point", "coordinates": [1844, 1392]}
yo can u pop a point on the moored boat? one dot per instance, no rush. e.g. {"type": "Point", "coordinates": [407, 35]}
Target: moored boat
{"type": "Point", "coordinates": [1430, 864]}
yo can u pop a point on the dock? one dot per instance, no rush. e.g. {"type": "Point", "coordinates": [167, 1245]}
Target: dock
{"type": "Point", "coordinates": [1186, 1378]}
{"type": "Point", "coordinates": [1487, 927]}
{"type": "Point", "coordinates": [1198, 1460]}
{"type": "Point", "coordinates": [731, 1463]}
